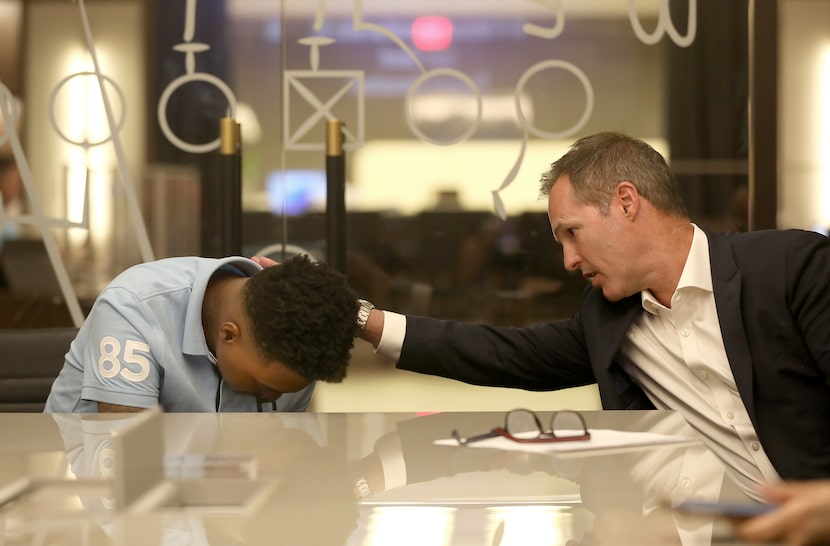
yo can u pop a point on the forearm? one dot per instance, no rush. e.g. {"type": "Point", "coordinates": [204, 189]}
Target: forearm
{"type": "Point", "coordinates": [544, 357]}
{"type": "Point", "coordinates": [103, 407]}
{"type": "Point", "coordinates": [374, 328]}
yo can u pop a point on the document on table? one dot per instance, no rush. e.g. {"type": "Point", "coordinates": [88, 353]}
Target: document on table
{"type": "Point", "coordinates": [602, 442]}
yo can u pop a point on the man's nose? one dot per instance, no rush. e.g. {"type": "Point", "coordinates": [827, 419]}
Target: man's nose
{"type": "Point", "coordinates": [571, 258]}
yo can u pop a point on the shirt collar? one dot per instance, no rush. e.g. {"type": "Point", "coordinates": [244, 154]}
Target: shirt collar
{"type": "Point", "coordinates": [697, 273]}
{"type": "Point", "coordinates": [194, 342]}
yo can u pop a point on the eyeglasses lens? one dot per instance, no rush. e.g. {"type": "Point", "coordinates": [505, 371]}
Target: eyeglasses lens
{"type": "Point", "coordinates": [567, 424]}
{"type": "Point", "coordinates": [523, 424]}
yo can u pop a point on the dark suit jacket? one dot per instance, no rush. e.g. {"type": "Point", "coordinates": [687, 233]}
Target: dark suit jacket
{"type": "Point", "coordinates": [772, 291]}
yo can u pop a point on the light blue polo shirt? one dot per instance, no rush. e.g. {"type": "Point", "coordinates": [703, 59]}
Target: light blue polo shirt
{"type": "Point", "coordinates": [143, 344]}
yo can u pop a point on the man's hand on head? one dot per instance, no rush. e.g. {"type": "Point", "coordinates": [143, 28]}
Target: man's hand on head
{"type": "Point", "coordinates": [264, 262]}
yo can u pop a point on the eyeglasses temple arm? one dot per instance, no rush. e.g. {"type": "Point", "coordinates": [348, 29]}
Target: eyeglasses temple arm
{"type": "Point", "coordinates": [472, 439]}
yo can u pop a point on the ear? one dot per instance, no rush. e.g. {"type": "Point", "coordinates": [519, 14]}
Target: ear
{"type": "Point", "coordinates": [627, 199]}
{"type": "Point", "coordinates": [228, 332]}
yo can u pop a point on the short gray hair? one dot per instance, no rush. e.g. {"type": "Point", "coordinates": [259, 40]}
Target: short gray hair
{"type": "Point", "coordinates": [596, 164]}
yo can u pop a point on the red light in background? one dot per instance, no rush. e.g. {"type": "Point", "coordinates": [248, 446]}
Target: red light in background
{"type": "Point", "coordinates": [430, 33]}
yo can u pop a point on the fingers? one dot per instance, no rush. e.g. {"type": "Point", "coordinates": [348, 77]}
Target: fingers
{"type": "Point", "coordinates": [263, 261]}
{"type": "Point", "coordinates": [801, 518]}
{"type": "Point", "coordinates": [782, 492]}
{"type": "Point", "coordinates": [770, 526]}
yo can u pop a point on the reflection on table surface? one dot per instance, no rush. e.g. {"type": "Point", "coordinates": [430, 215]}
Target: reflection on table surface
{"type": "Point", "coordinates": [348, 479]}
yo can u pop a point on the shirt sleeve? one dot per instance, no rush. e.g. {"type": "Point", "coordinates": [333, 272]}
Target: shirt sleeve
{"type": "Point", "coordinates": [120, 366]}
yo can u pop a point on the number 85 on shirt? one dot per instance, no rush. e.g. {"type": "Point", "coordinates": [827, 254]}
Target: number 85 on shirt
{"type": "Point", "coordinates": [129, 364]}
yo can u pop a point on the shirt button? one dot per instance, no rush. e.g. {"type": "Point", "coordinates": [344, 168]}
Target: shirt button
{"type": "Point", "coordinates": [755, 446]}
{"type": "Point", "coordinates": [704, 374]}
{"type": "Point", "coordinates": [686, 482]}
{"type": "Point", "coordinates": [685, 332]}
{"type": "Point", "coordinates": [730, 415]}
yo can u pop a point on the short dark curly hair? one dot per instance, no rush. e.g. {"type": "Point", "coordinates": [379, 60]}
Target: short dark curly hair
{"type": "Point", "coordinates": [303, 314]}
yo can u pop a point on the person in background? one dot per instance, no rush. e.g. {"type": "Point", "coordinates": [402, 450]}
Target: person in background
{"type": "Point", "coordinates": [730, 329]}
{"type": "Point", "coordinates": [208, 335]}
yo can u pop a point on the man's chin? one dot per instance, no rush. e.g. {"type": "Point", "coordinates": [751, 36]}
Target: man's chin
{"type": "Point", "coordinates": [611, 295]}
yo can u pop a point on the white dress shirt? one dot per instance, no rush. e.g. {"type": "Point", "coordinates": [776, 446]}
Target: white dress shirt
{"type": "Point", "coordinates": [676, 355]}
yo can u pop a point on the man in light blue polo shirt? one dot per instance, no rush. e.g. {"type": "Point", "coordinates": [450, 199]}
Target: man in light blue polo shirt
{"type": "Point", "coordinates": [207, 335]}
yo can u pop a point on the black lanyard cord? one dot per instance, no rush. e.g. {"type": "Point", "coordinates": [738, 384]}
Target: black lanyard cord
{"type": "Point", "coordinates": [218, 387]}
{"type": "Point", "coordinates": [260, 402]}
{"type": "Point", "coordinates": [218, 394]}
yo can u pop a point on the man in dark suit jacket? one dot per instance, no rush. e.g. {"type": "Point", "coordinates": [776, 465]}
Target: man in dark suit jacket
{"type": "Point", "coordinates": [732, 330]}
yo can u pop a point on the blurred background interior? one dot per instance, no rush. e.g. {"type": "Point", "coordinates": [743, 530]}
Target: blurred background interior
{"type": "Point", "coordinates": [110, 133]}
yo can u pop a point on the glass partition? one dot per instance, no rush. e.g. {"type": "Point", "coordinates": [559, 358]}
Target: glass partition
{"type": "Point", "coordinates": [451, 112]}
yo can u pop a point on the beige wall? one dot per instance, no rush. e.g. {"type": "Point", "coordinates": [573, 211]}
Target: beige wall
{"type": "Point", "coordinates": [56, 47]}
{"type": "Point", "coordinates": [804, 115]}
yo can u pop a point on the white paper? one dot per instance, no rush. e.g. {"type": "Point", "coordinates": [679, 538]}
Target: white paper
{"type": "Point", "coordinates": [602, 442]}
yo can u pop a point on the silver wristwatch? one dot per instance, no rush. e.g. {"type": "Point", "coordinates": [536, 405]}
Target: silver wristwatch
{"type": "Point", "coordinates": [363, 314]}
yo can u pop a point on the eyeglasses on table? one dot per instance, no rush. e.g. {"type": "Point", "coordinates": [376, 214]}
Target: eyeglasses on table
{"type": "Point", "coordinates": [524, 426]}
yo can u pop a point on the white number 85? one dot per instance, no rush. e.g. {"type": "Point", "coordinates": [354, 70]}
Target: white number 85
{"type": "Point", "coordinates": [110, 364]}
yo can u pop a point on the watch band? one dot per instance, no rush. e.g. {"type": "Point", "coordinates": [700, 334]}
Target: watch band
{"type": "Point", "coordinates": [363, 313]}
{"type": "Point", "coordinates": [361, 488]}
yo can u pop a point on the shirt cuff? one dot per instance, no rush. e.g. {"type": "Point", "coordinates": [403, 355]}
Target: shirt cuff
{"type": "Point", "coordinates": [391, 339]}
{"type": "Point", "coordinates": [390, 453]}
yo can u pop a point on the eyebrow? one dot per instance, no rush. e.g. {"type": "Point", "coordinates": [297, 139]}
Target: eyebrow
{"type": "Point", "coordinates": [555, 231]}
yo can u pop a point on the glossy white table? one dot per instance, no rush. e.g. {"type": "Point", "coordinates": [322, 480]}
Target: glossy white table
{"type": "Point", "coordinates": [296, 479]}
